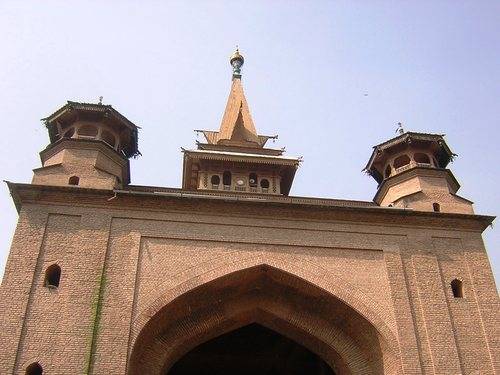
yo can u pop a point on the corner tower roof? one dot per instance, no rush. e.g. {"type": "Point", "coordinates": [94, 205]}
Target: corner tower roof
{"type": "Point", "coordinates": [72, 111]}
{"type": "Point", "coordinates": [435, 143]}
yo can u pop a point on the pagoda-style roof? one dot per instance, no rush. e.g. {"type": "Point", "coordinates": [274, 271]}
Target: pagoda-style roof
{"type": "Point", "coordinates": [237, 127]}
{"type": "Point", "coordinates": [433, 142]}
{"type": "Point", "coordinates": [243, 157]}
{"type": "Point", "coordinates": [73, 111]}
{"type": "Point", "coordinates": [213, 137]}
{"type": "Point", "coordinates": [237, 144]}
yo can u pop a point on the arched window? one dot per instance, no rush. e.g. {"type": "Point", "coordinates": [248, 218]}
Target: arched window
{"type": "Point", "coordinates": [87, 131]}
{"type": "Point", "coordinates": [252, 179]}
{"type": "Point", "coordinates": [457, 288]}
{"type": "Point", "coordinates": [69, 133]}
{"type": "Point", "coordinates": [387, 171]}
{"type": "Point", "coordinates": [74, 180]}
{"type": "Point", "coordinates": [34, 369]}
{"type": "Point", "coordinates": [52, 276]}
{"type": "Point", "coordinates": [108, 137]}
{"type": "Point", "coordinates": [226, 178]}
{"type": "Point", "coordinates": [215, 180]}
{"type": "Point", "coordinates": [401, 161]}
{"type": "Point", "coordinates": [420, 157]}
{"type": "Point", "coordinates": [436, 207]}
{"type": "Point", "coordinates": [264, 183]}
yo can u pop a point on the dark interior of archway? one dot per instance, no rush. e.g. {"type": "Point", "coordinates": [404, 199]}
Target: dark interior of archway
{"type": "Point", "coordinates": [252, 349]}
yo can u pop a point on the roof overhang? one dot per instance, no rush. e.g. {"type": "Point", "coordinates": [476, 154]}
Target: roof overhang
{"type": "Point", "coordinates": [144, 198]}
{"type": "Point", "coordinates": [72, 110]}
{"type": "Point", "coordinates": [435, 141]}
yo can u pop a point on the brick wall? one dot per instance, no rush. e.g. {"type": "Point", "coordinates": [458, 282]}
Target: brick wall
{"type": "Point", "coordinates": [122, 266]}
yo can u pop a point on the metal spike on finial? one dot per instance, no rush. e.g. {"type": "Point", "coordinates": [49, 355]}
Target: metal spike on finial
{"type": "Point", "coordinates": [400, 129]}
{"type": "Point", "coordinates": [100, 100]}
{"type": "Point", "coordinates": [236, 62]}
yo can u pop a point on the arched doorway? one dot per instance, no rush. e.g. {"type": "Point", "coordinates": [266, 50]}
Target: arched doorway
{"type": "Point", "coordinates": [286, 304]}
{"type": "Point", "coordinates": [249, 350]}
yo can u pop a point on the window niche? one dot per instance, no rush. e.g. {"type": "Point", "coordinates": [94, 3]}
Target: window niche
{"type": "Point", "coordinates": [34, 369]}
{"type": "Point", "coordinates": [87, 131]}
{"type": "Point", "coordinates": [109, 138]}
{"type": "Point", "coordinates": [388, 171]}
{"type": "Point", "coordinates": [215, 181]}
{"type": "Point", "coordinates": [457, 288]}
{"type": "Point", "coordinates": [252, 179]}
{"type": "Point", "coordinates": [74, 180]}
{"type": "Point", "coordinates": [436, 207]}
{"type": "Point", "coordinates": [264, 184]}
{"type": "Point", "coordinates": [52, 276]}
{"type": "Point", "coordinates": [226, 178]}
{"type": "Point", "coordinates": [401, 161]}
{"type": "Point", "coordinates": [421, 158]}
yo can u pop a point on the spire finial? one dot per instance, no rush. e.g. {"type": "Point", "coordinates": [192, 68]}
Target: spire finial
{"type": "Point", "coordinates": [100, 99]}
{"type": "Point", "coordinates": [400, 129]}
{"type": "Point", "coordinates": [236, 62]}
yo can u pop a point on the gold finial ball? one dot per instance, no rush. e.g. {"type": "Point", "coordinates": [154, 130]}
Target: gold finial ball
{"type": "Point", "coordinates": [236, 58]}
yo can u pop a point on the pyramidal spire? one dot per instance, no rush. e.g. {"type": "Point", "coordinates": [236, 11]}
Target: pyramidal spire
{"type": "Point", "coordinates": [237, 124]}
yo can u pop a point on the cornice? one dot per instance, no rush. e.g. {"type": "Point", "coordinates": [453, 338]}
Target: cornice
{"type": "Point", "coordinates": [296, 208]}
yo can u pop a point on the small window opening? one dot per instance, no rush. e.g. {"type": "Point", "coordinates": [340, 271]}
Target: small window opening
{"type": "Point", "coordinates": [388, 171]}
{"type": "Point", "coordinates": [74, 180]}
{"type": "Point", "coordinates": [226, 178]}
{"type": "Point", "coordinates": [87, 131]}
{"type": "Point", "coordinates": [215, 180]}
{"type": "Point", "coordinates": [108, 137]}
{"type": "Point", "coordinates": [457, 288]}
{"type": "Point", "coordinates": [52, 276]}
{"type": "Point", "coordinates": [436, 207]}
{"type": "Point", "coordinates": [34, 369]}
{"type": "Point", "coordinates": [264, 183]}
{"type": "Point", "coordinates": [401, 161]}
{"type": "Point", "coordinates": [252, 179]}
{"type": "Point", "coordinates": [421, 158]}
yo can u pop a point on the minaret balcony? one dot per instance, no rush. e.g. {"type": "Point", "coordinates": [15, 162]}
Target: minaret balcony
{"type": "Point", "coordinates": [412, 164]}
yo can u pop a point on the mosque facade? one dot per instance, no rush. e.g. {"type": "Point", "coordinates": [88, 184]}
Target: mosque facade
{"type": "Point", "coordinates": [230, 273]}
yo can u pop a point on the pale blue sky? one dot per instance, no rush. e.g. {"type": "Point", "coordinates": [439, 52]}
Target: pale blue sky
{"type": "Point", "coordinates": [434, 65]}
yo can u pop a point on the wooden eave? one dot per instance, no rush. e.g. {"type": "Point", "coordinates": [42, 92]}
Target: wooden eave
{"type": "Point", "coordinates": [242, 157]}
{"type": "Point", "coordinates": [217, 147]}
{"type": "Point", "coordinates": [99, 112]}
{"type": "Point", "coordinates": [442, 151]}
{"type": "Point", "coordinates": [293, 208]}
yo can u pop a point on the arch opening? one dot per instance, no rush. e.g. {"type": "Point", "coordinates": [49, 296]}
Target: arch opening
{"type": "Point", "coordinates": [457, 288]}
{"type": "Point", "coordinates": [52, 276]}
{"type": "Point", "coordinates": [401, 161]}
{"type": "Point", "coordinates": [226, 178]}
{"type": "Point", "coordinates": [251, 349]}
{"type": "Point", "coordinates": [74, 180]}
{"type": "Point", "coordinates": [34, 369]}
{"type": "Point", "coordinates": [421, 158]}
{"type": "Point", "coordinates": [270, 297]}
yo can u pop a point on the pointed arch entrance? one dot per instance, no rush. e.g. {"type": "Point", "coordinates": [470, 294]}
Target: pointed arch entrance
{"type": "Point", "coordinates": [280, 302]}
{"type": "Point", "coordinates": [271, 353]}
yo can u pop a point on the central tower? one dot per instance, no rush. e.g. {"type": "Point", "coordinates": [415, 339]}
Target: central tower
{"type": "Point", "coordinates": [234, 158]}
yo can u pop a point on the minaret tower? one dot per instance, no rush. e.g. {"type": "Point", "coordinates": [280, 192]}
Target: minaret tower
{"type": "Point", "coordinates": [411, 170]}
{"type": "Point", "coordinates": [90, 146]}
{"type": "Point", "coordinates": [234, 159]}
